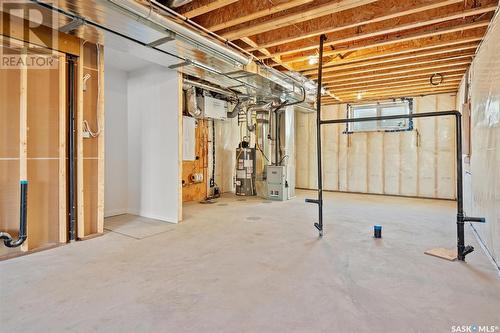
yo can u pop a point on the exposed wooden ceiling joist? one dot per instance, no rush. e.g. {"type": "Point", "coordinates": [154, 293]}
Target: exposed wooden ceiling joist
{"type": "Point", "coordinates": [405, 74]}
{"type": "Point", "coordinates": [396, 88]}
{"type": "Point", "coordinates": [399, 93]}
{"type": "Point", "coordinates": [446, 21]}
{"type": "Point", "coordinates": [395, 49]}
{"type": "Point", "coordinates": [389, 96]}
{"type": "Point", "coordinates": [375, 12]}
{"type": "Point", "coordinates": [370, 67]}
{"type": "Point", "coordinates": [412, 56]}
{"type": "Point", "coordinates": [200, 7]}
{"type": "Point", "coordinates": [435, 67]}
{"type": "Point", "coordinates": [387, 41]}
{"type": "Point", "coordinates": [245, 11]}
{"type": "Point", "coordinates": [288, 17]}
{"type": "Point", "coordinates": [384, 48]}
{"type": "Point", "coordinates": [395, 82]}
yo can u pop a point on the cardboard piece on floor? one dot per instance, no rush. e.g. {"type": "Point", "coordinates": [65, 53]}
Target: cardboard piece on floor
{"type": "Point", "coordinates": [447, 254]}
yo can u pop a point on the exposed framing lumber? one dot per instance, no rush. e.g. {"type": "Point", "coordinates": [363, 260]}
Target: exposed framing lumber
{"type": "Point", "coordinates": [100, 145]}
{"type": "Point", "coordinates": [23, 129]}
{"type": "Point", "coordinates": [371, 13]}
{"type": "Point", "coordinates": [304, 56]}
{"type": "Point", "coordinates": [419, 73]}
{"type": "Point", "coordinates": [397, 90]}
{"type": "Point", "coordinates": [398, 65]}
{"type": "Point", "coordinates": [79, 146]}
{"type": "Point", "coordinates": [296, 16]}
{"type": "Point", "coordinates": [380, 30]}
{"type": "Point", "coordinates": [245, 12]}
{"type": "Point", "coordinates": [395, 49]}
{"type": "Point", "coordinates": [434, 68]}
{"type": "Point", "coordinates": [409, 93]}
{"type": "Point", "coordinates": [396, 58]}
{"type": "Point", "coordinates": [197, 8]}
{"type": "Point", "coordinates": [249, 41]}
{"type": "Point", "coordinates": [393, 82]}
{"type": "Point", "coordinates": [421, 83]}
{"type": "Point", "coordinates": [63, 234]}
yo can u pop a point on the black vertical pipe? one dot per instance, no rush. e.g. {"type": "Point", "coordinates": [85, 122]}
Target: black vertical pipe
{"type": "Point", "coordinates": [71, 148]}
{"type": "Point", "coordinates": [276, 136]}
{"type": "Point", "coordinates": [460, 202]}
{"type": "Point", "coordinates": [319, 226]}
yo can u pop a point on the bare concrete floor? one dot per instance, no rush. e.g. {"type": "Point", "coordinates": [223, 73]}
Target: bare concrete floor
{"type": "Point", "coordinates": [251, 266]}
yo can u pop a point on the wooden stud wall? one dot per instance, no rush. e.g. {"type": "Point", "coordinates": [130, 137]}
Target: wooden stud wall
{"type": "Point", "coordinates": [90, 151]}
{"type": "Point", "coordinates": [33, 133]}
{"type": "Point", "coordinates": [33, 118]}
{"type": "Point", "coordinates": [198, 191]}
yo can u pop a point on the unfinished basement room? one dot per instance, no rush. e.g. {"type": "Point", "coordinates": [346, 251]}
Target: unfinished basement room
{"type": "Point", "coordinates": [250, 166]}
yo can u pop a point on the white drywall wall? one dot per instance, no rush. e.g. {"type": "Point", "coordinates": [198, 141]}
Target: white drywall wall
{"type": "Point", "coordinates": [412, 163]}
{"type": "Point", "coordinates": [153, 150]}
{"type": "Point", "coordinates": [116, 175]}
{"type": "Point", "coordinates": [142, 141]}
{"type": "Point", "coordinates": [482, 179]}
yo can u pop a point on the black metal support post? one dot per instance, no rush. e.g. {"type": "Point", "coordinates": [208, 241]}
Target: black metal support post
{"type": "Point", "coordinates": [71, 148]}
{"type": "Point", "coordinates": [462, 250]}
{"type": "Point", "coordinates": [319, 201]}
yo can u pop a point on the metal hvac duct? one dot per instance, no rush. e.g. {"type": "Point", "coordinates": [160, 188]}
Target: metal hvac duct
{"type": "Point", "coordinates": [181, 32]}
{"type": "Point", "coordinates": [177, 3]}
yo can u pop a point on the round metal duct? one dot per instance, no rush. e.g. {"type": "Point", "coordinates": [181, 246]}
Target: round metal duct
{"type": "Point", "coordinates": [175, 3]}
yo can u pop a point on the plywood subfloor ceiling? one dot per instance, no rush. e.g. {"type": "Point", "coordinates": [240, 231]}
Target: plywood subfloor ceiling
{"type": "Point", "coordinates": [375, 49]}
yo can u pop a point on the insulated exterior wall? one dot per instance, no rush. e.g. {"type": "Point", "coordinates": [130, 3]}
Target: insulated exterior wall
{"type": "Point", "coordinates": [484, 177]}
{"type": "Point", "coordinates": [417, 163]}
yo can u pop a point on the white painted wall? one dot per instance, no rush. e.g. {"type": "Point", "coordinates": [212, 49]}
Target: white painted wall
{"type": "Point", "coordinates": [413, 163]}
{"type": "Point", "coordinates": [153, 150]}
{"type": "Point", "coordinates": [116, 175]}
{"type": "Point", "coordinates": [142, 147]}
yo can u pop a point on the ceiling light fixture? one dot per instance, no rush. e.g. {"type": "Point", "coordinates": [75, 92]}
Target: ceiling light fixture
{"type": "Point", "coordinates": [313, 60]}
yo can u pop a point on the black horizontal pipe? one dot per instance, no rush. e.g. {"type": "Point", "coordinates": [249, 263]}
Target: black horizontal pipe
{"type": "Point", "coordinates": [6, 237]}
{"type": "Point", "coordinates": [462, 250]}
{"type": "Point", "coordinates": [396, 116]}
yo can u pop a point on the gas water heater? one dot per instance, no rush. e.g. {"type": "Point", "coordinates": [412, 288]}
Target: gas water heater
{"type": "Point", "coordinates": [245, 170]}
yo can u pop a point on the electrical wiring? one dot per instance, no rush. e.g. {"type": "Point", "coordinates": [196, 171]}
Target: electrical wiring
{"type": "Point", "coordinates": [86, 125]}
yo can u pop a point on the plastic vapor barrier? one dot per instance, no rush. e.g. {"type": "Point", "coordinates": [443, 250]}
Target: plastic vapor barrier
{"type": "Point", "coordinates": [485, 138]}
{"type": "Point", "coordinates": [419, 162]}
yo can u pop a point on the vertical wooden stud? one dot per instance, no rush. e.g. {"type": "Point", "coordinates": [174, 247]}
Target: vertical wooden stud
{"type": "Point", "coordinates": [23, 129]}
{"type": "Point", "coordinates": [100, 143]}
{"type": "Point", "coordinates": [62, 151]}
{"type": "Point", "coordinates": [79, 147]}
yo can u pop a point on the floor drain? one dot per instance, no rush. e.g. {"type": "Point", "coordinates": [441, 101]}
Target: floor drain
{"type": "Point", "coordinates": [222, 204]}
{"type": "Point", "coordinates": [253, 218]}
{"type": "Point", "coordinates": [267, 201]}
{"type": "Point", "coordinates": [241, 199]}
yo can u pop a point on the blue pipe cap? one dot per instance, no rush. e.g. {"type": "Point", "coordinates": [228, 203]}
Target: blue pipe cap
{"type": "Point", "coordinates": [24, 182]}
{"type": "Point", "coordinates": [377, 227]}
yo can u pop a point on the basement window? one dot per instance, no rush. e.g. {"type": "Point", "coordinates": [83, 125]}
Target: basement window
{"type": "Point", "coordinates": [403, 106]}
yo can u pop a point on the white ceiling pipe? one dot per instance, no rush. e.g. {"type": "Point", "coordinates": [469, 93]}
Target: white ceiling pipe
{"type": "Point", "coordinates": [180, 31]}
